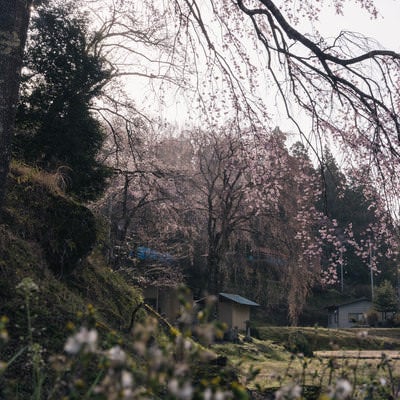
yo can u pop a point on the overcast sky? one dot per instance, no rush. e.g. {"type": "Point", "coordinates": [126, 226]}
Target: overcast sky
{"type": "Point", "coordinates": [385, 29]}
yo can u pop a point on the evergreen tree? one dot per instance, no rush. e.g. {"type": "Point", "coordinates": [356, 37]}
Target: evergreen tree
{"type": "Point", "coordinates": [385, 299]}
{"type": "Point", "coordinates": [55, 126]}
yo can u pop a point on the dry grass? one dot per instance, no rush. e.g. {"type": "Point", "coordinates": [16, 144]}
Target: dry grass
{"type": "Point", "coordinates": [278, 367]}
{"type": "Point", "coordinates": [334, 339]}
{"type": "Point", "coordinates": [359, 354]}
{"type": "Point", "coordinates": [56, 182]}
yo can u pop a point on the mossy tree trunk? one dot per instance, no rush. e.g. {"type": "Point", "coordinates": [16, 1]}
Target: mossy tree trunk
{"type": "Point", "coordinates": [14, 21]}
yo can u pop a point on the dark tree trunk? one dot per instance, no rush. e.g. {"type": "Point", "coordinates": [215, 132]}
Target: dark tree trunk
{"type": "Point", "coordinates": [213, 263]}
{"type": "Point", "coordinates": [14, 21]}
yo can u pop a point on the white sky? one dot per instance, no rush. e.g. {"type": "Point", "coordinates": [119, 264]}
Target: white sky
{"type": "Point", "coordinates": [385, 29]}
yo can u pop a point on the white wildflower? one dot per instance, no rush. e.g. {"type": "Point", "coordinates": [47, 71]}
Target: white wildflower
{"type": "Point", "coordinates": [288, 392]}
{"type": "Point", "coordinates": [184, 392]}
{"type": "Point", "coordinates": [85, 338]}
{"type": "Point", "coordinates": [222, 395]}
{"type": "Point", "coordinates": [187, 344]}
{"type": "Point", "coordinates": [140, 348]}
{"type": "Point", "coordinates": [180, 368]}
{"type": "Point", "coordinates": [382, 381]}
{"type": "Point", "coordinates": [72, 346]}
{"type": "Point", "coordinates": [218, 395]}
{"type": "Point", "coordinates": [207, 395]}
{"type": "Point", "coordinates": [173, 386]}
{"type": "Point", "coordinates": [27, 286]}
{"type": "Point", "coordinates": [127, 394]}
{"type": "Point", "coordinates": [156, 357]}
{"type": "Point", "coordinates": [342, 390]}
{"type": "Point", "coordinates": [116, 355]}
{"type": "Point", "coordinates": [126, 380]}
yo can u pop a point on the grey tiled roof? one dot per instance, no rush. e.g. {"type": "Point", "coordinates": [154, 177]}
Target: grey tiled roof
{"type": "Point", "coordinates": [238, 299]}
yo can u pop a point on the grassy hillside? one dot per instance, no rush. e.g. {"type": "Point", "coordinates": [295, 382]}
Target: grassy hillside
{"type": "Point", "coordinates": [51, 274]}
{"type": "Point", "coordinates": [52, 240]}
{"type": "Point", "coordinates": [66, 317]}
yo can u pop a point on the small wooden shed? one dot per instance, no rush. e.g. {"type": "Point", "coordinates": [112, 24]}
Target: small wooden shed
{"type": "Point", "coordinates": [159, 276]}
{"type": "Point", "coordinates": [350, 314]}
{"type": "Point", "coordinates": [164, 300]}
{"type": "Point", "coordinates": [234, 310]}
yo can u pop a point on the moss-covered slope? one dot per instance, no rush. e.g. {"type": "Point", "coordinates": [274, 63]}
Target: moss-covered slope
{"type": "Point", "coordinates": [51, 239]}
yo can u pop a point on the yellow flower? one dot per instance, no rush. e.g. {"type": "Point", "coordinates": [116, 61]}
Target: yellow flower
{"type": "Point", "coordinates": [70, 326]}
{"type": "Point", "coordinates": [3, 366]}
{"type": "Point", "coordinates": [174, 332]}
{"type": "Point", "coordinates": [79, 383]}
{"type": "Point", "coordinates": [4, 334]}
{"type": "Point", "coordinates": [216, 380]}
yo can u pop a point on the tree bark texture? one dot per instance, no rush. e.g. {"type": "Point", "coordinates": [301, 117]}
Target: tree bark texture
{"type": "Point", "coordinates": [14, 21]}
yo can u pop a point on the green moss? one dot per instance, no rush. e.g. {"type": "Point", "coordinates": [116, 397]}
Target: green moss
{"type": "Point", "coordinates": [65, 230]}
{"type": "Point", "coordinates": [57, 303]}
{"type": "Point", "coordinates": [107, 290]}
{"type": "Point", "coordinates": [47, 237]}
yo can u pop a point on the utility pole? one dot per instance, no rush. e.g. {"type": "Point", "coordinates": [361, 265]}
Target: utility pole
{"type": "Point", "coordinates": [371, 272]}
{"type": "Point", "coordinates": [341, 271]}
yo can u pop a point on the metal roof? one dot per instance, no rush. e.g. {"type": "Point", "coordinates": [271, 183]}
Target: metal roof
{"type": "Point", "coordinates": [238, 299]}
{"type": "Point", "coordinates": [333, 306]}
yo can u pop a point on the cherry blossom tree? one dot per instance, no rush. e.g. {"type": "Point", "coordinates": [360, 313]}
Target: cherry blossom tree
{"type": "Point", "coordinates": [220, 185]}
{"type": "Point", "coordinates": [360, 225]}
{"type": "Point", "coordinates": [288, 229]}
{"type": "Point", "coordinates": [249, 196]}
{"type": "Point", "coordinates": [143, 201]}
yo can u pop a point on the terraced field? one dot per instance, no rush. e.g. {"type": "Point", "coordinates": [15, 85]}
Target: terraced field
{"type": "Point", "coordinates": [356, 354]}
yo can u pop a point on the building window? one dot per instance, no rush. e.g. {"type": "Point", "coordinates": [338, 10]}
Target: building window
{"type": "Point", "coordinates": [356, 317]}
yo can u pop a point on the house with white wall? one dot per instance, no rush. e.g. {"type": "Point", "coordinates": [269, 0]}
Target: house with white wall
{"type": "Point", "coordinates": [350, 314]}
